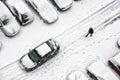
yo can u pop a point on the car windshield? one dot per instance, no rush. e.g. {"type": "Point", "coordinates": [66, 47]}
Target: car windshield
{"type": "Point", "coordinates": [34, 56]}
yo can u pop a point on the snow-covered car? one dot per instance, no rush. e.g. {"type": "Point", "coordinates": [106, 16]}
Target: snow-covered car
{"type": "Point", "coordinates": [99, 71]}
{"type": "Point", "coordinates": [39, 55]}
{"type": "Point", "coordinates": [76, 75]}
{"type": "Point", "coordinates": [8, 23]}
{"type": "Point", "coordinates": [62, 5]}
{"type": "Point", "coordinates": [44, 9]}
{"type": "Point", "coordinates": [114, 63]}
{"type": "Point", "coordinates": [20, 10]}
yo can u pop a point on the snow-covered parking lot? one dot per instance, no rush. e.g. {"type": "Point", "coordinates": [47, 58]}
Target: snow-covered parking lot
{"type": "Point", "coordinates": [77, 52]}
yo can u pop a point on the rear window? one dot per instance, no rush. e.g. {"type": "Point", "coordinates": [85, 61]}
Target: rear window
{"type": "Point", "coordinates": [34, 56]}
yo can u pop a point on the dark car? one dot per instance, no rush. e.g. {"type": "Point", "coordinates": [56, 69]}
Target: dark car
{"type": "Point", "coordinates": [39, 55]}
{"type": "Point", "coordinates": [114, 63]}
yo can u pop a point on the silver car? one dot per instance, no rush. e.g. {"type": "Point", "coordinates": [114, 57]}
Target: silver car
{"type": "Point", "coordinates": [44, 9]}
{"type": "Point", "coordinates": [114, 63]}
{"type": "Point", "coordinates": [77, 75]}
{"type": "Point", "coordinates": [20, 10]}
{"type": "Point", "coordinates": [98, 71]}
{"type": "Point", "coordinates": [62, 5]}
{"type": "Point", "coordinates": [39, 55]}
{"type": "Point", "coordinates": [8, 23]}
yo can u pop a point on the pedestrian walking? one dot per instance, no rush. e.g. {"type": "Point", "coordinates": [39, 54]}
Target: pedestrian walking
{"type": "Point", "coordinates": [90, 32]}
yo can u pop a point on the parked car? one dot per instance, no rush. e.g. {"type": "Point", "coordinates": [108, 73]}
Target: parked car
{"type": "Point", "coordinates": [98, 71]}
{"type": "Point", "coordinates": [44, 9]}
{"type": "Point", "coordinates": [20, 10]}
{"type": "Point", "coordinates": [39, 55]}
{"type": "Point", "coordinates": [76, 75]}
{"type": "Point", "coordinates": [114, 63]}
{"type": "Point", "coordinates": [8, 24]}
{"type": "Point", "coordinates": [62, 5]}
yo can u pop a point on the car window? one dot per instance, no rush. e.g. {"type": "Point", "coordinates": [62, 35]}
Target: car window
{"type": "Point", "coordinates": [50, 44]}
{"type": "Point", "coordinates": [34, 56]}
{"type": "Point", "coordinates": [25, 17]}
{"type": "Point", "coordinates": [5, 19]}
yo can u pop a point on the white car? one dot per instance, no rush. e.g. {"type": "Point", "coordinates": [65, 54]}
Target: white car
{"type": "Point", "coordinates": [62, 5]}
{"type": "Point", "coordinates": [8, 23]}
{"type": "Point", "coordinates": [77, 75]}
{"type": "Point", "coordinates": [39, 55]}
{"type": "Point", "coordinates": [45, 10]}
{"type": "Point", "coordinates": [114, 63]}
{"type": "Point", "coordinates": [98, 71]}
{"type": "Point", "coordinates": [20, 10]}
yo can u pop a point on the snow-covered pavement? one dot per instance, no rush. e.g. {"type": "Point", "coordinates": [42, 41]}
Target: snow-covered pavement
{"type": "Point", "coordinates": [76, 51]}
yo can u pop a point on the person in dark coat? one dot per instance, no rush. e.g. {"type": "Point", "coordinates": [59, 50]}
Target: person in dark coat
{"type": "Point", "coordinates": [90, 32]}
